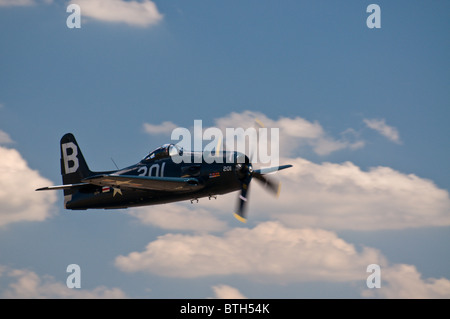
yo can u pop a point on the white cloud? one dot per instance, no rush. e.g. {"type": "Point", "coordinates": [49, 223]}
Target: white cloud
{"type": "Point", "coordinates": [142, 14]}
{"type": "Point", "coordinates": [273, 253]}
{"type": "Point", "coordinates": [293, 133]}
{"type": "Point", "coordinates": [19, 201]}
{"type": "Point", "coordinates": [163, 128]}
{"type": "Point", "coordinates": [270, 252]}
{"type": "Point", "coordinates": [179, 217]}
{"type": "Point", "coordinates": [342, 196]}
{"type": "Point", "coordinates": [381, 127]}
{"type": "Point", "coordinates": [227, 292]}
{"type": "Point", "coordinates": [5, 138]}
{"type": "Point", "coordinates": [27, 284]}
{"type": "Point", "coordinates": [405, 282]}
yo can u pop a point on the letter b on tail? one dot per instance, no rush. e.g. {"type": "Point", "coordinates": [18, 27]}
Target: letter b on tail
{"type": "Point", "coordinates": [73, 165]}
{"type": "Point", "coordinates": [69, 156]}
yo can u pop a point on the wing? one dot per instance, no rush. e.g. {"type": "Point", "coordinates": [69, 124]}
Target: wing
{"type": "Point", "coordinates": [174, 184]}
{"type": "Point", "coordinates": [67, 186]}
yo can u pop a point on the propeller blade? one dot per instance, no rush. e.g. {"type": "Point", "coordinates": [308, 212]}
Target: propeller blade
{"type": "Point", "coordinates": [271, 169]}
{"type": "Point", "coordinates": [245, 172]}
{"type": "Point", "coordinates": [241, 213]}
{"type": "Point", "coordinates": [259, 123]}
{"type": "Point", "coordinates": [271, 185]}
{"type": "Point", "coordinates": [219, 142]}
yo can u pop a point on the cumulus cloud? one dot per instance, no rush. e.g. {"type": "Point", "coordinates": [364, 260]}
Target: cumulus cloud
{"type": "Point", "coordinates": [293, 132]}
{"type": "Point", "coordinates": [179, 217]}
{"type": "Point", "coordinates": [27, 284]}
{"type": "Point", "coordinates": [405, 282]}
{"type": "Point", "coordinates": [135, 13]}
{"type": "Point", "coordinates": [379, 125]}
{"type": "Point", "coordinates": [273, 253]}
{"type": "Point", "coordinates": [270, 252]}
{"type": "Point", "coordinates": [19, 201]}
{"type": "Point", "coordinates": [293, 135]}
{"type": "Point", "coordinates": [343, 196]}
{"type": "Point", "coordinates": [163, 128]}
{"type": "Point", "coordinates": [227, 292]}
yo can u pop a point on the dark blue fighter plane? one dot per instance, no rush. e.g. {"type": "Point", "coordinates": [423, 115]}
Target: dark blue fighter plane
{"type": "Point", "coordinates": [165, 175]}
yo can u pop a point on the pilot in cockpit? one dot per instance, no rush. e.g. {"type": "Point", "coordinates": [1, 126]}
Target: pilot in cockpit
{"type": "Point", "coordinates": [165, 151]}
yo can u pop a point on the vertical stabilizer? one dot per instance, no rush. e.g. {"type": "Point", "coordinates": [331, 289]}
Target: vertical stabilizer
{"type": "Point", "coordinates": [73, 165]}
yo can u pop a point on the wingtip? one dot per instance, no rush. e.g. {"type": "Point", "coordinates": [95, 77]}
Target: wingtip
{"type": "Point", "coordinates": [240, 218]}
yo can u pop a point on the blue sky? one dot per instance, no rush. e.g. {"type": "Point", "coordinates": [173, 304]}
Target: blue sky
{"type": "Point", "coordinates": [370, 176]}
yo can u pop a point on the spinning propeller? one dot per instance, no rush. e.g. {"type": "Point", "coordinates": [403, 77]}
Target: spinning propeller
{"type": "Point", "coordinates": [245, 173]}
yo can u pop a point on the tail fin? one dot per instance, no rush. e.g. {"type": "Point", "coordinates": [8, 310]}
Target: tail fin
{"type": "Point", "coordinates": [73, 165]}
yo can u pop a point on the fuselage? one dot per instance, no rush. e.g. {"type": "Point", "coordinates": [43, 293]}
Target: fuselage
{"type": "Point", "coordinates": [215, 173]}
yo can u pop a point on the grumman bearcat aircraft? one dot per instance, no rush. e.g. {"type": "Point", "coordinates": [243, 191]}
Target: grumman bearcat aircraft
{"type": "Point", "coordinates": [158, 178]}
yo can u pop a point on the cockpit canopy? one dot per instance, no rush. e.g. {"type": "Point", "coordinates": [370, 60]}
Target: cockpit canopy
{"type": "Point", "coordinates": [165, 151]}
